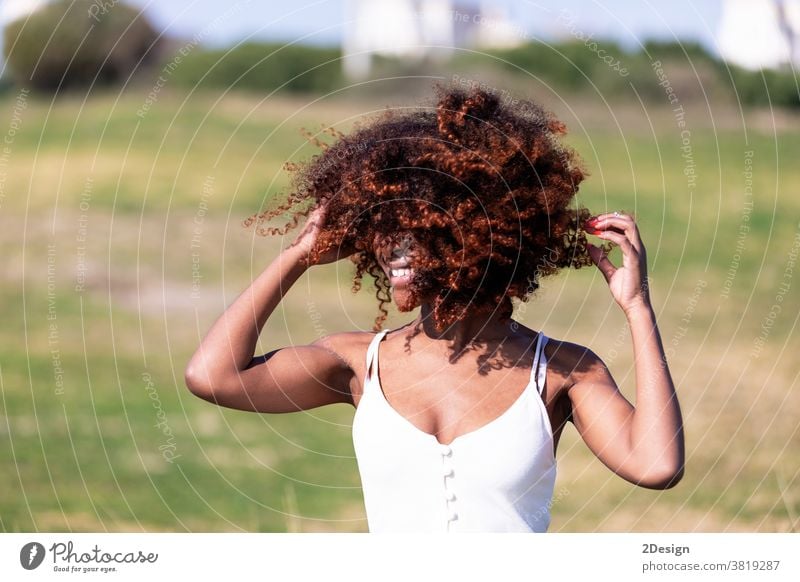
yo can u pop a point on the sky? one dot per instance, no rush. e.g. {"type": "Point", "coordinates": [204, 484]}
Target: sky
{"type": "Point", "coordinates": [226, 23]}
{"type": "Point", "coordinates": [321, 21]}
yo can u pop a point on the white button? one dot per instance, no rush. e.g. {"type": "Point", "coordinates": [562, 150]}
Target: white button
{"type": "Point", "coordinates": [453, 516]}
{"type": "Point", "coordinates": [450, 496]}
{"type": "Point", "coordinates": [448, 471]}
{"type": "Point", "coordinates": [446, 450]}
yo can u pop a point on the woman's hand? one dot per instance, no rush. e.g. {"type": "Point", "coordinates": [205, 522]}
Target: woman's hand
{"type": "Point", "coordinates": [308, 236]}
{"type": "Point", "coordinates": [643, 444]}
{"type": "Point", "coordinates": [628, 283]}
{"type": "Point", "coordinates": [223, 369]}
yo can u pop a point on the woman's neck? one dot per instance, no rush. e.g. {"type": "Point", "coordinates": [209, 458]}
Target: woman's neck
{"type": "Point", "coordinates": [479, 327]}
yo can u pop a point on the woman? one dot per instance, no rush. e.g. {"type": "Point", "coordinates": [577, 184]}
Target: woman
{"type": "Point", "coordinates": [455, 210]}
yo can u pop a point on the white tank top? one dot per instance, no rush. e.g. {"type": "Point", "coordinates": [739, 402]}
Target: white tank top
{"type": "Point", "coordinates": [497, 478]}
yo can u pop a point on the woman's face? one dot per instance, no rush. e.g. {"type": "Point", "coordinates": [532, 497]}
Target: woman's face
{"type": "Point", "coordinates": [396, 255]}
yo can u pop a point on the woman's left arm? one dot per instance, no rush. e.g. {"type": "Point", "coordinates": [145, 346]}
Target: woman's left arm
{"type": "Point", "coordinates": [643, 444]}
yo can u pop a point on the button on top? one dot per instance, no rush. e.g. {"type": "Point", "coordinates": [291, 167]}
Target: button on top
{"type": "Point", "coordinates": [446, 450]}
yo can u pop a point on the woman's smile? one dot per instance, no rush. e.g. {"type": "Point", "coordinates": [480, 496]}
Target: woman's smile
{"type": "Point", "coordinates": [398, 268]}
{"type": "Point", "coordinates": [400, 276]}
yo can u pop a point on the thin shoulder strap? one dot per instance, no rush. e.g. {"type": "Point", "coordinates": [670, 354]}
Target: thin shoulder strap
{"type": "Point", "coordinates": [539, 368]}
{"type": "Point", "coordinates": [372, 352]}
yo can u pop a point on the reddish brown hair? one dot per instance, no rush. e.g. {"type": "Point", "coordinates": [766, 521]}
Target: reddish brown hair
{"type": "Point", "coordinates": [486, 187]}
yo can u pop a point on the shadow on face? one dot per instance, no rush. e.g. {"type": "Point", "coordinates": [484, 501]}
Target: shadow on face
{"type": "Point", "coordinates": [396, 254]}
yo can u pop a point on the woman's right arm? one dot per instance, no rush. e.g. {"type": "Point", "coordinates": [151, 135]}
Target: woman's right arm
{"type": "Point", "coordinates": [223, 369]}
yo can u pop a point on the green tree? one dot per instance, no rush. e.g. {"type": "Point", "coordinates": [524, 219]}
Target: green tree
{"type": "Point", "coordinates": [72, 43]}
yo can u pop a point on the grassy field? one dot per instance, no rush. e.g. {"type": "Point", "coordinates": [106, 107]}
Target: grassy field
{"type": "Point", "coordinates": [122, 243]}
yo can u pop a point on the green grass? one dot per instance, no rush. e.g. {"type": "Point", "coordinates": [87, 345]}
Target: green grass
{"type": "Point", "coordinates": [87, 458]}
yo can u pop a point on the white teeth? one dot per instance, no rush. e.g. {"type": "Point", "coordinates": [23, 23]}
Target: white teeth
{"type": "Point", "coordinates": [400, 272]}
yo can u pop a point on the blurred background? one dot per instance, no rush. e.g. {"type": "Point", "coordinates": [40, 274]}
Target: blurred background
{"type": "Point", "coordinates": [137, 135]}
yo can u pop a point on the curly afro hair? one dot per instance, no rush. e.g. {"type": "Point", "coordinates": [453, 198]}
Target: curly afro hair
{"type": "Point", "coordinates": [486, 187]}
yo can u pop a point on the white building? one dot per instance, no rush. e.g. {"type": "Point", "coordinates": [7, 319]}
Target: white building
{"type": "Point", "coordinates": [417, 29]}
{"type": "Point", "coordinates": [13, 9]}
{"type": "Point", "coordinates": [762, 34]}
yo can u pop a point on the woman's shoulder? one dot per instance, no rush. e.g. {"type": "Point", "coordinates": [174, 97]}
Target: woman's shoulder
{"type": "Point", "coordinates": [555, 350]}
{"type": "Point", "coordinates": [570, 360]}
{"type": "Point", "coordinates": [350, 345]}
{"type": "Point", "coordinates": [573, 361]}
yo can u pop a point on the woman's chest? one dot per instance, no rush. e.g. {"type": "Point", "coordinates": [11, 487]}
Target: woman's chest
{"type": "Point", "coordinates": [448, 405]}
